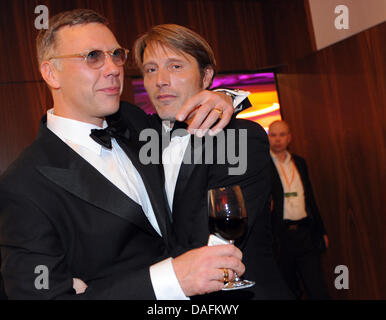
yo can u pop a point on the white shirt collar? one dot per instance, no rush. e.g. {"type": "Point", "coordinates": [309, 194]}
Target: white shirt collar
{"type": "Point", "coordinates": [274, 157]}
{"type": "Point", "coordinates": [166, 125]}
{"type": "Point", "coordinates": [168, 128]}
{"type": "Point", "coordinates": [74, 131]}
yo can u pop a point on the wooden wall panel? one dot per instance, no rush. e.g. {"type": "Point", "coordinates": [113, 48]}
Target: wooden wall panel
{"type": "Point", "coordinates": [335, 103]}
{"type": "Point", "coordinates": [286, 31]}
{"type": "Point", "coordinates": [25, 105]}
{"type": "Point", "coordinates": [221, 22]}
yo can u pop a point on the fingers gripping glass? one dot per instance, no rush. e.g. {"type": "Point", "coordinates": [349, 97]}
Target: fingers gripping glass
{"type": "Point", "coordinates": [95, 59]}
{"type": "Point", "coordinates": [228, 219]}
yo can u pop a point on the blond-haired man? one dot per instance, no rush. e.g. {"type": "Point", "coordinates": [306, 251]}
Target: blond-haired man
{"type": "Point", "coordinates": [177, 63]}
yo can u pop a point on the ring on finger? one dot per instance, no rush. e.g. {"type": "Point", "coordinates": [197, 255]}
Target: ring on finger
{"type": "Point", "coordinates": [225, 275]}
{"type": "Point", "coordinates": [219, 111]}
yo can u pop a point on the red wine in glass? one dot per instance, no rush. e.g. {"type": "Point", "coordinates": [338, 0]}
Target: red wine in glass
{"type": "Point", "coordinates": [228, 228]}
{"type": "Point", "coordinates": [228, 219]}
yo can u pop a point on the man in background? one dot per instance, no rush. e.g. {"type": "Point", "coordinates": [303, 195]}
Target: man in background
{"type": "Point", "coordinates": [298, 228]}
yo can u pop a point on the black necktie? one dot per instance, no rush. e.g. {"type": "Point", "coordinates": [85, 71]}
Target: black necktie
{"type": "Point", "coordinates": [103, 136]}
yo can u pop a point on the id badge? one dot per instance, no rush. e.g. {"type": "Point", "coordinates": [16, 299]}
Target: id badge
{"type": "Point", "coordinates": [290, 194]}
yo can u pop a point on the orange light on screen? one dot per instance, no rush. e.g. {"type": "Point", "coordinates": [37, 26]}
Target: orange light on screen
{"type": "Point", "coordinates": [265, 106]}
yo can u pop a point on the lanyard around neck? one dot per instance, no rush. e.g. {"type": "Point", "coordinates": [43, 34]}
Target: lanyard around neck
{"type": "Point", "coordinates": [288, 183]}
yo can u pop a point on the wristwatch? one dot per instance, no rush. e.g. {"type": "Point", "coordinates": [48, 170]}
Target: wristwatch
{"type": "Point", "coordinates": [239, 98]}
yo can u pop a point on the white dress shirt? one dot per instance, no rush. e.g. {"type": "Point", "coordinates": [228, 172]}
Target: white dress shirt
{"type": "Point", "coordinates": [294, 206]}
{"type": "Point", "coordinates": [116, 166]}
{"type": "Point", "coordinates": [173, 154]}
{"type": "Point", "coordinates": [172, 157]}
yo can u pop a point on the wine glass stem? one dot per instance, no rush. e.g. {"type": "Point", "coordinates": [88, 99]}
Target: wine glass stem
{"type": "Point", "coordinates": [236, 279]}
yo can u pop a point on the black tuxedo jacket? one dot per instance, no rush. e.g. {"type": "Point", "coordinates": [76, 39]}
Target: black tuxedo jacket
{"type": "Point", "coordinates": [190, 210]}
{"type": "Point", "coordinates": [310, 203]}
{"type": "Point", "coordinates": [58, 211]}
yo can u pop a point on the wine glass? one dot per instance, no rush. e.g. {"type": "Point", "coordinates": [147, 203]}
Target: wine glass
{"type": "Point", "coordinates": [228, 219]}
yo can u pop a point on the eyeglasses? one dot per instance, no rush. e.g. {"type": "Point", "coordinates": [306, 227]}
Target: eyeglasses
{"type": "Point", "coordinates": [95, 59]}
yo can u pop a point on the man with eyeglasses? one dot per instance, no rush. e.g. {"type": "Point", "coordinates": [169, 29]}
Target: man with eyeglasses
{"type": "Point", "coordinates": [71, 208]}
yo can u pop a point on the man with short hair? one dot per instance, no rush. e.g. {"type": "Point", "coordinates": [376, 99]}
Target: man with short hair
{"type": "Point", "coordinates": [78, 202]}
{"type": "Point", "coordinates": [177, 63]}
{"type": "Point", "coordinates": [298, 227]}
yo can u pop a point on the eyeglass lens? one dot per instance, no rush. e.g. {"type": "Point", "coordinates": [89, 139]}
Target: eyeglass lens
{"type": "Point", "coordinates": [96, 58]}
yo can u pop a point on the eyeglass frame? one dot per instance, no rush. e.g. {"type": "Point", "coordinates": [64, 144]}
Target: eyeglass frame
{"type": "Point", "coordinates": [85, 55]}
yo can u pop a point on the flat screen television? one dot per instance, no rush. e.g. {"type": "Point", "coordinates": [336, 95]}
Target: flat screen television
{"type": "Point", "coordinates": [263, 95]}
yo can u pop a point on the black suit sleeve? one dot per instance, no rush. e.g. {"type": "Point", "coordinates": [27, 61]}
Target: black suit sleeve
{"type": "Point", "coordinates": [255, 157]}
{"type": "Point", "coordinates": [29, 239]}
{"type": "Point", "coordinates": [318, 222]}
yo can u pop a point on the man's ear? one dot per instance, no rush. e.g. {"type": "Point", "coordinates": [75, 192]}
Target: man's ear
{"type": "Point", "coordinates": [50, 74]}
{"type": "Point", "coordinates": [208, 75]}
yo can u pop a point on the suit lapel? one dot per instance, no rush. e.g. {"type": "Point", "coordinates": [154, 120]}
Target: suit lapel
{"type": "Point", "coordinates": [150, 174]}
{"type": "Point", "coordinates": [300, 169]}
{"type": "Point", "coordinates": [71, 172]}
{"type": "Point", "coordinates": [186, 169]}
{"type": "Point", "coordinates": [89, 185]}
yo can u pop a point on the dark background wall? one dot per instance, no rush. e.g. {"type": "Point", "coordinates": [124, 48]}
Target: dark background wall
{"type": "Point", "coordinates": [333, 99]}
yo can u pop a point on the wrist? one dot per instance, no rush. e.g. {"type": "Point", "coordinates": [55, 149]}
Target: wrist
{"type": "Point", "coordinates": [237, 96]}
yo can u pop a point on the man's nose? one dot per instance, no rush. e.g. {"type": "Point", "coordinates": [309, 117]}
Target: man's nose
{"type": "Point", "coordinates": [110, 68]}
{"type": "Point", "coordinates": [163, 78]}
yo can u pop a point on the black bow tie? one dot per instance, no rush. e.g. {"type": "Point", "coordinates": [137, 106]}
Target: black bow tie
{"type": "Point", "coordinates": [180, 133]}
{"type": "Point", "coordinates": [167, 135]}
{"type": "Point", "coordinates": [103, 136]}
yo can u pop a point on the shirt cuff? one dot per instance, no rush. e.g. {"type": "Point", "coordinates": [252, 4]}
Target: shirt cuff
{"type": "Point", "coordinates": [237, 95]}
{"type": "Point", "coordinates": [165, 282]}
